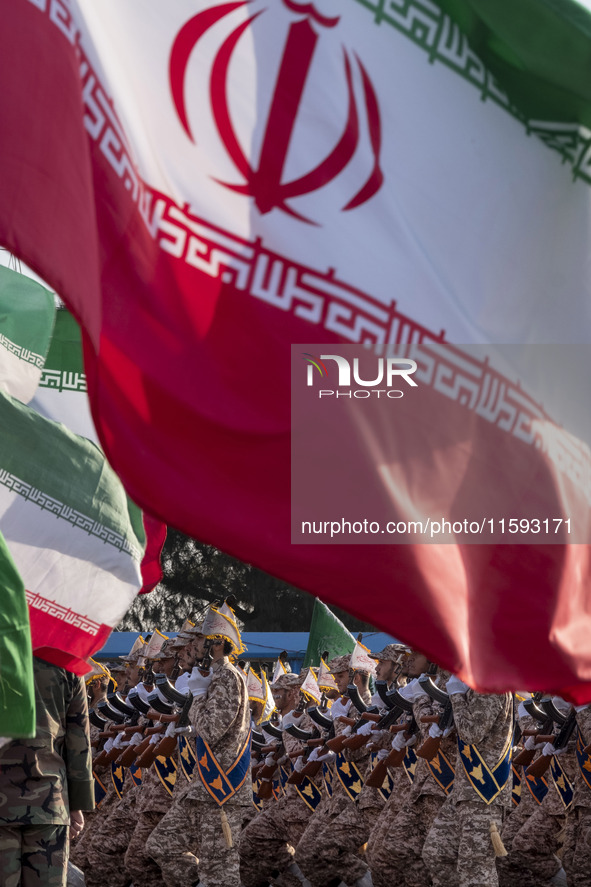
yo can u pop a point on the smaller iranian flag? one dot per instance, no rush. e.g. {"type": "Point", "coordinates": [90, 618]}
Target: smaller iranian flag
{"type": "Point", "coordinates": [27, 312]}
{"type": "Point", "coordinates": [17, 686]}
{"type": "Point", "coordinates": [76, 539]}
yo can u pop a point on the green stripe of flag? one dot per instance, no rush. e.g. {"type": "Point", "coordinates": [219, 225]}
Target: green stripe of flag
{"type": "Point", "coordinates": [68, 472]}
{"type": "Point", "coordinates": [530, 57]}
{"type": "Point", "coordinates": [539, 51]}
{"type": "Point", "coordinates": [26, 313]}
{"type": "Point", "coordinates": [17, 687]}
{"type": "Point", "coordinates": [327, 634]}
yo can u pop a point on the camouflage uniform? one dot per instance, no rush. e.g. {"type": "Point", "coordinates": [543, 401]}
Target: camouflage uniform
{"type": "Point", "coordinates": [106, 849]}
{"type": "Point", "coordinates": [391, 858]}
{"type": "Point", "coordinates": [458, 850]}
{"type": "Point", "coordinates": [188, 843]}
{"type": "Point", "coordinates": [267, 842]}
{"type": "Point", "coordinates": [95, 817]}
{"type": "Point", "coordinates": [153, 801]}
{"type": "Point", "coordinates": [577, 848]}
{"type": "Point", "coordinates": [531, 833]}
{"type": "Point", "coordinates": [42, 779]}
{"type": "Point", "coordinates": [329, 847]}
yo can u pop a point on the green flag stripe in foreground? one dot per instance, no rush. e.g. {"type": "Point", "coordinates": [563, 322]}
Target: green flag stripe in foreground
{"type": "Point", "coordinates": [26, 316]}
{"type": "Point", "coordinates": [45, 476]}
{"type": "Point", "coordinates": [530, 57]}
{"type": "Point", "coordinates": [327, 634]}
{"type": "Point", "coordinates": [64, 368]}
{"type": "Point", "coordinates": [17, 689]}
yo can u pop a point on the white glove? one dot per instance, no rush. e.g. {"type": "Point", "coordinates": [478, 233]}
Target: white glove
{"type": "Point", "coordinates": [455, 685]}
{"type": "Point", "coordinates": [299, 764]}
{"type": "Point", "coordinates": [339, 708]}
{"type": "Point", "coordinates": [109, 744]}
{"type": "Point", "coordinates": [435, 731]}
{"type": "Point", "coordinates": [290, 719]}
{"type": "Point", "coordinates": [170, 729]}
{"type": "Point", "coordinates": [530, 743]}
{"type": "Point", "coordinates": [136, 739]}
{"type": "Point", "coordinates": [399, 742]}
{"type": "Point", "coordinates": [313, 756]}
{"type": "Point", "coordinates": [119, 740]}
{"type": "Point", "coordinates": [366, 728]}
{"type": "Point", "coordinates": [199, 683]}
{"type": "Point", "coordinates": [383, 753]}
{"type": "Point", "coordinates": [155, 737]}
{"type": "Point", "coordinates": [270, 760]}
{"type": "Point", "coordinates": [412, 741]}
{"type": "Point", "coordinates": [346, 731]}
{"type": "Point", "coordinates": [327, 758]}
{"type": "Point", "coordinates": [549, 749]}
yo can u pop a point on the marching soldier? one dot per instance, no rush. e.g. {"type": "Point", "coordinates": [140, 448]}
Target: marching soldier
{"type": "Point", "coordinates": [200, 834]}
{"type": "Point", "coordinates": [460, 847]}
{"type": "Point", "coordinates": [430, 782]}
{"type": "Point", "coordinates": [329, 848]}
{"type": "Point", "coordinates": [265, 846]}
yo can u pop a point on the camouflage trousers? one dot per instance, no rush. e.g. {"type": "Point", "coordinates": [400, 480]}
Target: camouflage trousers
{"type": "Point", "coordinates": [394, 854]}
{"type": "Point", "coordinates": [189, 845]}
{"type": "Point", "coordinates": [106, 850]}
{"type": "Point", "coordinates": [531, 843]}
{"type": "Point", "coordinates": [458, 850]}
{"type": "Point", "coordinates": [267, 842]}
{"type": "Point", "coordinates": [92, 822]}
{"type": "Point", "coordinates": [140, 867]}
{"type": "Point", "coordinates": [576, 858]}
{"type": "Point", "coordinates": [330, 845]}
{"type": "Point", "coordinates": [33, 855]}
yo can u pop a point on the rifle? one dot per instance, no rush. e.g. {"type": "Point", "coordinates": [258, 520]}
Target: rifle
{"type": "Point", "coordinates": [561, 740]}
{"type": "Point", "coordinates": [272, 730]}
{"type": "Point", "coordinates": [321, 719]}
{"type": "Point", "coordinates": [117, 702]}
{"type": "Point", "coordinates": [393, 759]}
{"type": "Point", "coordinates": [382, 691]}
{"type": "Point", "coordinates": [382, 722]}
{"type": "Point", "coordinates": [134, 698]}
{"type": "Point", "coordinates": [532, 707]}
{"type": "Point", "coordinates": [355, 697]}
{"type": "Point", "coordinates": [117, 719]}
{"type": "Point", "coordinates": [183, 728]}
{"type": "Point", "coordinates": [266, 773]}
{"type": "Point", "coordinates": [445, 720]}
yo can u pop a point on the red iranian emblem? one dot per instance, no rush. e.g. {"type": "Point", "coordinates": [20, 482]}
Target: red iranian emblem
{"type": "Point", "coordinates": [265, 183]}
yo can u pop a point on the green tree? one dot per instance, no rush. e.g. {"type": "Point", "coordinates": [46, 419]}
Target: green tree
{"type": "Point", "coordinates": [196, 575]}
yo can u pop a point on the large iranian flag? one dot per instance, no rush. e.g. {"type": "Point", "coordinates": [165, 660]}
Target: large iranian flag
{"type": "Point", "coordinates": [206, 183]}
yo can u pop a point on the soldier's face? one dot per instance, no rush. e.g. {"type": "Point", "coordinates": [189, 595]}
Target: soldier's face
{"type": "Point", "coordinates": [132, 676]}
{"type": "Point", "coordinates": [342, 681]}
{"type": "Point", "coordinates": [416, 664]}
{"type": "Point", "coordinates": [166, 666]}
{"type": "Point", "coordinates": [385, 670]}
